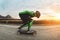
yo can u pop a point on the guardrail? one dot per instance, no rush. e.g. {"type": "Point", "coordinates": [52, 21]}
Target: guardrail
{"type": "Point", "coordinates": [14, 21]}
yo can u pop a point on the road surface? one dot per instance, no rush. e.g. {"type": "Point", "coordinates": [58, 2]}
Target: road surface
{"type": "Point", "coordinates": [9, 32]}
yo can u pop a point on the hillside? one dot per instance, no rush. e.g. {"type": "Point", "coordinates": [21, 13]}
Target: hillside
{"type": "Point", "coordinates": [5, 17]}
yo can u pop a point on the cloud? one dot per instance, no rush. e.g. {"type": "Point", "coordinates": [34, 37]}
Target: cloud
{"type": "Point", "coordinates": [13, 7]}
{"type": "Point", "coordinates": [56, 8]}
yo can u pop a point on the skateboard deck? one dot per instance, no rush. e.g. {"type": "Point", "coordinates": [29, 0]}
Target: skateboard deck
{"type": "Point", "coordinates": [31, 32]}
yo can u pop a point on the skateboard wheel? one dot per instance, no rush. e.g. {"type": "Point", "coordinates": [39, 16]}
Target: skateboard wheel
{"type": "Point", "coordinates": [34, 33]}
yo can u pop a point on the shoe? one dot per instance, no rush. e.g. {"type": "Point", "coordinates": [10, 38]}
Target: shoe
{"type": "Point", "coordinates": [28, 31]}
{"type": "Point", "coordinates": [19, 30]}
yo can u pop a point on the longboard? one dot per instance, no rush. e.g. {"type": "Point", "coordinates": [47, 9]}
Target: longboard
{"type": "Point", "coordinates": [31, 32]}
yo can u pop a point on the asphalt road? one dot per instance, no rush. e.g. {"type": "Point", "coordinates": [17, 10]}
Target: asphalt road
{"type": "Point", "coordinates": [9, 32]}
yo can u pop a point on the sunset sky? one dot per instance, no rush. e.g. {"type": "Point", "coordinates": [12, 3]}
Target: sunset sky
{"type": "Point", "coordinates": [49, 9]}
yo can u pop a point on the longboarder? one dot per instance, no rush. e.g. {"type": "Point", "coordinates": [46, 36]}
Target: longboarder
{"type": "Point", "coordinates": [26, 18]}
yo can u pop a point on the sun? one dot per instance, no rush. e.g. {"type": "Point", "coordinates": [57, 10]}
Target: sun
{"type": "Point", "coordinates": [56, 11]}
{"type": "Point", "coordinates": [57, 16]}
{"type": "Point", "coordinates": [53, 16]}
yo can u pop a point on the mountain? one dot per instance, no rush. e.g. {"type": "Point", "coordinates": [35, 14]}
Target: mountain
{"type": "Point", "coordinates": [2, 17]}
{"type": "Point", "coordinates": [8, 17]}
{"type": "Point", "coordinates": [5, 17]}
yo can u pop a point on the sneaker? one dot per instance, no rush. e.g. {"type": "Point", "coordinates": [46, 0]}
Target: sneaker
{"type": "Point", "coordinates": [28, 31]}
{"type": "Point", "coordinates": [19, 30]}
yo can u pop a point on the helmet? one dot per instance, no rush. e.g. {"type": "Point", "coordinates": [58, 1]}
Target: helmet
{"type": "Point", "coordinates": [37, 14]}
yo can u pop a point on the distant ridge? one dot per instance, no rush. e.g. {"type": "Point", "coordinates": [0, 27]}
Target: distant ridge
{"type": "Point", "coordinates": [5, 17]}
